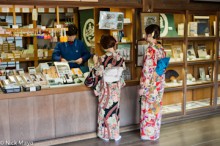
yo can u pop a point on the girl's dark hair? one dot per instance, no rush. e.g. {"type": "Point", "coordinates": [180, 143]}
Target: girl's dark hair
{"type": "Point", "coordinates": [107, 41]}
{"type": "Point", "coordinates": [72, 30]}
{"type": "Point", "coordinates": [153, 28]}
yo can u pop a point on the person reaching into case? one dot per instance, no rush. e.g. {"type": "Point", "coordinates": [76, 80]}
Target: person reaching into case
{"type": "Point", "coordinates": [106, 80]}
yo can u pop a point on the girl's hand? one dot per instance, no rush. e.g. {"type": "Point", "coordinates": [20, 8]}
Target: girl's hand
{"type": "Point", "coordinates": [63, 60]}
{"type": "Point", "coordinates": [95, 59]}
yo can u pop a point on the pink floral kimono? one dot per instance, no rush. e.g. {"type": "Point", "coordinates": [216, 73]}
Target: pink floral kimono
{"type": "Point", "coordinates": [109, 95]}
{"type": "Point", "coordinates": [151, 93]}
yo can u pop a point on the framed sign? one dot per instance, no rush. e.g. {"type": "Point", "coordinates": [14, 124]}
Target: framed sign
{"type": "Point", "coordinates": [147, 19]}
{"type": "Point", "coordinates": [111, 20]}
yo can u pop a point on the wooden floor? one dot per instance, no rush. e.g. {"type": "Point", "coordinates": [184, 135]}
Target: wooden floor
{"type": "Point", "coordinates": [196, 132]}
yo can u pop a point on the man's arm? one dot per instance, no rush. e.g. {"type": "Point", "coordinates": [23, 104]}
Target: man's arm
{"type": "Point", "coordinates": [56, 56]}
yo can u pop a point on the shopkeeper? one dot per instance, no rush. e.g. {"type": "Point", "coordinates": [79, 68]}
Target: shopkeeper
{"type": "Point", "coordinates": [72, 51]}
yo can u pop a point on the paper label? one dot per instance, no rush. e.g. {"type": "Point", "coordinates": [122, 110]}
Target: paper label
{"type": "Point", "coordinates": [40, 10]}
{"type": "Point", "coordinates": [51, 10]}
{"type": "Point", "coordinates": [25, 10]}
{"type": "Point", "coordinates": [17, 10]}
{"type": "Point", "coordinates": [32, 89]}
{"type": "Point", "coordinates": [14, 26]}
{"type": "Point", "coordinates": [58, 26]}
{"type": "Point", "coordinates": [6, 10]}
{"type": "Point", "coordinates": [43, 27]}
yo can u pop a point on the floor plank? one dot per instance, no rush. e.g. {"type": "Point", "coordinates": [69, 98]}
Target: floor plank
{"type": "Point", "coordinates": [197, 132]}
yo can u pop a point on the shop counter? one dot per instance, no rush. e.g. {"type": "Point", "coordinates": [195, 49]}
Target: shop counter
{"type": "Point", "coordinates": [59, 112]}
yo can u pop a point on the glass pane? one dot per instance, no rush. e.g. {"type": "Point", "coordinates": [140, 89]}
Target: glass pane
{"type": "Point", "coordinates": [199, 25]}
{"type": "Point", "coordinates": [172, 102]}
{"type": "Point", "coordinates": [199, 74]}
{"type": "Point", "coordinates": [197, 98]}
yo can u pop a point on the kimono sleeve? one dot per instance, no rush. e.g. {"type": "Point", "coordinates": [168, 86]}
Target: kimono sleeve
{"type": "Point", "coordinates": [94, 76]}
{"type": "Point", "coordinates": [149, 64]}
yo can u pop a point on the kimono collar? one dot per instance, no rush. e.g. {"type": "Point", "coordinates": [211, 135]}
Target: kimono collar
{"type": "Point", "coordinates": [155, 45]}
{"type": "Point", "coordinates": [110, 53]}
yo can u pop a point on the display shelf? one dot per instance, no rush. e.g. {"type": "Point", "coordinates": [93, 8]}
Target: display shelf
{"type": "Point", "coordinates": [198, 85]}
{"type": "Point", "coordinates": [34, 29]}
{"type": "Point", "coordinates": [176, 64]}
{"type": "Point", "coordinates": [173, 88]}
{"type": "Point", "coordinates": [199, 62]}
{"type": "Point", "coordinates": [180, 38]}
{"type": "Point", "coordinates": [45, 59]}
{"type": "Point", "coordinates": [10, 35]}
{"type": "Point", "coordinates": [62, 89]}
{"type": "Point", "coordinates": [173, 108]}
{"type": "Point", "coordinates": [197, 104]}
{"type": "Point", "coordinates": [118, 43]}
{"type": "Point", "coordinates": [18, 59]}
{"type": "Point", "coordinates": [199, 38]}
{"type": "Point", "coordinates": [171, 85]}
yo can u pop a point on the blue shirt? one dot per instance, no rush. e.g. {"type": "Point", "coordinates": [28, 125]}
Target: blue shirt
{"type": "Point", "coordinates": [70, 52]}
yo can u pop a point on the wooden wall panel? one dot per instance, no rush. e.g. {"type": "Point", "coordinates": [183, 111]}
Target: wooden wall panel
{"type": "Point", "coordinates": [85, 111]}
{"type": "Point", "coordinates": [172, 97]}
{"type": "Point", "coordinates": [4, 121]}
{"type": "Point", "coordinates": [44, 123]}
{"type": "Point", "coordinates": [129, 106]}
{"type": "Point", "coordinates": [21, 119]}
{"type": "Point", "coordinates": [75, 113]}
{"type": "Point", "coordinates": [64, 119]}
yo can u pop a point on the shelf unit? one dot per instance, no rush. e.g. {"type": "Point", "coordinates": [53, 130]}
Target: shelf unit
{"type": "Point", "coordinates": [30, 35]}
{"type": "Point", "coordinates": [184, 97]}
{"type": "Point", "coordinates": [128, 29]}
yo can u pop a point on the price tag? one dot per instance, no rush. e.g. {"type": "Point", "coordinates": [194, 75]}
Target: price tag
{"type": "Point", "coordinates": [32, 89]}
{"type": "Point", "coordinates": [58, 26]}
{"type": "Point", "coordinates": [14, 26]}
{"type": "Point", "coordinates": [43, 27]}
{"type": "Point", "coordinates": [27, 58]}
{"type": "Point", "coordinates": [25, 10]}
{"type": "Point", "coordinates": [17, 10]}
{"type": "Point", "coordinates": [12, 59]}
{"type": "Point", "coordinates": [40, 10]}
{"type": "Point", "coordinates": [5, 10]}
{"type": "Point", "coordinates": [51, 10]}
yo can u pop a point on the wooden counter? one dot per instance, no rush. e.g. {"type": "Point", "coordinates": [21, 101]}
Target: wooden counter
{"type": "Point", "coordinates": [59, 112]}
{"type": "Point", "coordinates": [57, 90]}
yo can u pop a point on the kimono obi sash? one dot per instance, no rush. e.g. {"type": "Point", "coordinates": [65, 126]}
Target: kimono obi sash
{"type": "Point", "coordinates": [162, 65]}
{"type": "Point", "coordinates": [113, 74]}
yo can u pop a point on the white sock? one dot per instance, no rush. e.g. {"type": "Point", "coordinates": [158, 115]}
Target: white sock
{"type": "Point", "coordinates": [117, 139]}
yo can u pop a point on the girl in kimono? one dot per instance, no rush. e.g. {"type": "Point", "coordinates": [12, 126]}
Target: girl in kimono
{"type": "Point", "coordinates": [107, 88]}
{"type": "Point", "coordinates": [151, 86]}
